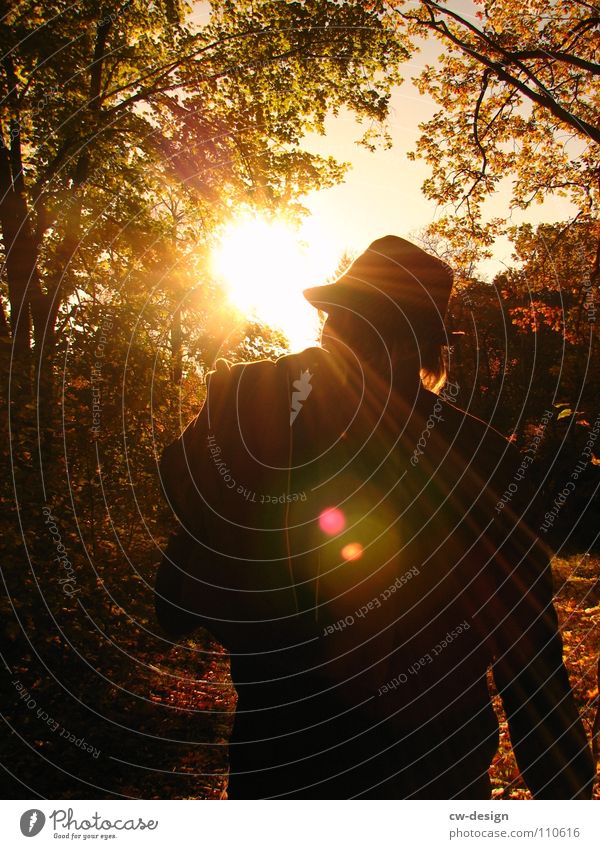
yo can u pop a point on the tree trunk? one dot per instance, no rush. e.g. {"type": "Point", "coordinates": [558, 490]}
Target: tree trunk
{"type": "Point", "coordinates": [176, 348]}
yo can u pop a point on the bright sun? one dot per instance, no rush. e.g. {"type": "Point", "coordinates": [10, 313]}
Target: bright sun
{"type": "Point", "coordinates": [265, 265]}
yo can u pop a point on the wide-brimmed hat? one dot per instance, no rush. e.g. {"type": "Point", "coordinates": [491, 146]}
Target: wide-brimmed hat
{"type": "Point", "coordinates": [392, 280]}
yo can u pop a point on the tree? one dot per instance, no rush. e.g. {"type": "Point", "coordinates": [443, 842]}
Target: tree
{"type": "Point", "coordinates": [106, 109]}
{"type": "Point", "coordinates": [550, 293]}
{"type": "Point", "coordinates": [529, 340]}
{"type": "Point", "coordinates": [519, 96]}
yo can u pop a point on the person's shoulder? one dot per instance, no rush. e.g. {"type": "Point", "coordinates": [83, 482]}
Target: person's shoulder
{"type": "Point", "coordinates": [226, 374]}
{"type": "Point", "coordinates": [459, 419]}
{"type": "Point", "coordinates": [265, 380]}
{"type": "Point", "coordinates": [478, 438]}
{"type": "Point", "coordinates": [311, 359]}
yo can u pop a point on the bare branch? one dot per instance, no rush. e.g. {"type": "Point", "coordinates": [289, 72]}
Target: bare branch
{"type": "Point", "coordinates": [560, 56]}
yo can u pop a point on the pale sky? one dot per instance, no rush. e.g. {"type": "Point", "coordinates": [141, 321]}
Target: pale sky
{"type": "Point", "coordinates": [382, 192]}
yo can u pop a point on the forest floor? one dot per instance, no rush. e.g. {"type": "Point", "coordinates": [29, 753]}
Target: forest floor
{"type": "Point", "coordinates": [135, 717]}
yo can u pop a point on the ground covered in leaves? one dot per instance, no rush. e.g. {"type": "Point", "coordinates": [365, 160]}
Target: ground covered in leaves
{"type": "Point", "coordinates": [121, 713]}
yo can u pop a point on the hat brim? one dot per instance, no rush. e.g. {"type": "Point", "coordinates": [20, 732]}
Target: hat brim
{"type": "Point", "coordinates": [340, 293]}
{"type": "Point", "coordinates": [320, 296]}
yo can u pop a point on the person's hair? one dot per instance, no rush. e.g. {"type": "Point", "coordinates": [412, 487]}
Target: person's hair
{"type": "Point", "coordinates": [393, 344]}
{"type": "Point", "coordinates": [433, 366]}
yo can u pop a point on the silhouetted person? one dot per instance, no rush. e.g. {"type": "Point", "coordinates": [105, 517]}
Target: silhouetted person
{"type": "Point", "coordinates": [342, 537]}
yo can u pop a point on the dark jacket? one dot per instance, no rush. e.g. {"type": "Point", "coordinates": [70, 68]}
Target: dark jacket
{"type": "Point", "coordinates": [359, 653]}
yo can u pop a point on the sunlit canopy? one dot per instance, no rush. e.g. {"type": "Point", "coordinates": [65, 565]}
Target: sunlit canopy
{"type": "Point", "coordinates": [265, 264]}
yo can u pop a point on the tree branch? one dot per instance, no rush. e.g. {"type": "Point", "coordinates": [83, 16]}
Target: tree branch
{"type": "Point", "coordinates": [163, 71]}
{"type": "Point", "coordinates": [560, 56]}
{"type": "Point", "coordinates": [482, 150]}
{"type": "Point", "coordinates": [545, 100]}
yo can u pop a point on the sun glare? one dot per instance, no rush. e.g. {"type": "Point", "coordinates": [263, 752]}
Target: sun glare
{"type": "Point", "coordinates": [265, 265]}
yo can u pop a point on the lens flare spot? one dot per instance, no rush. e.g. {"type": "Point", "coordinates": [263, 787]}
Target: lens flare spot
{"type": "Point", "coordinates": [352, 551]}
{"type": "Point", "coordinates": [332, 521]}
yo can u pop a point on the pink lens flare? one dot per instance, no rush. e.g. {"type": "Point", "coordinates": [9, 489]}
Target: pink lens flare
{"type": "Point", "coordinates": [352, 551]}
{"type": "Point", "coordinates": [332, 521]}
